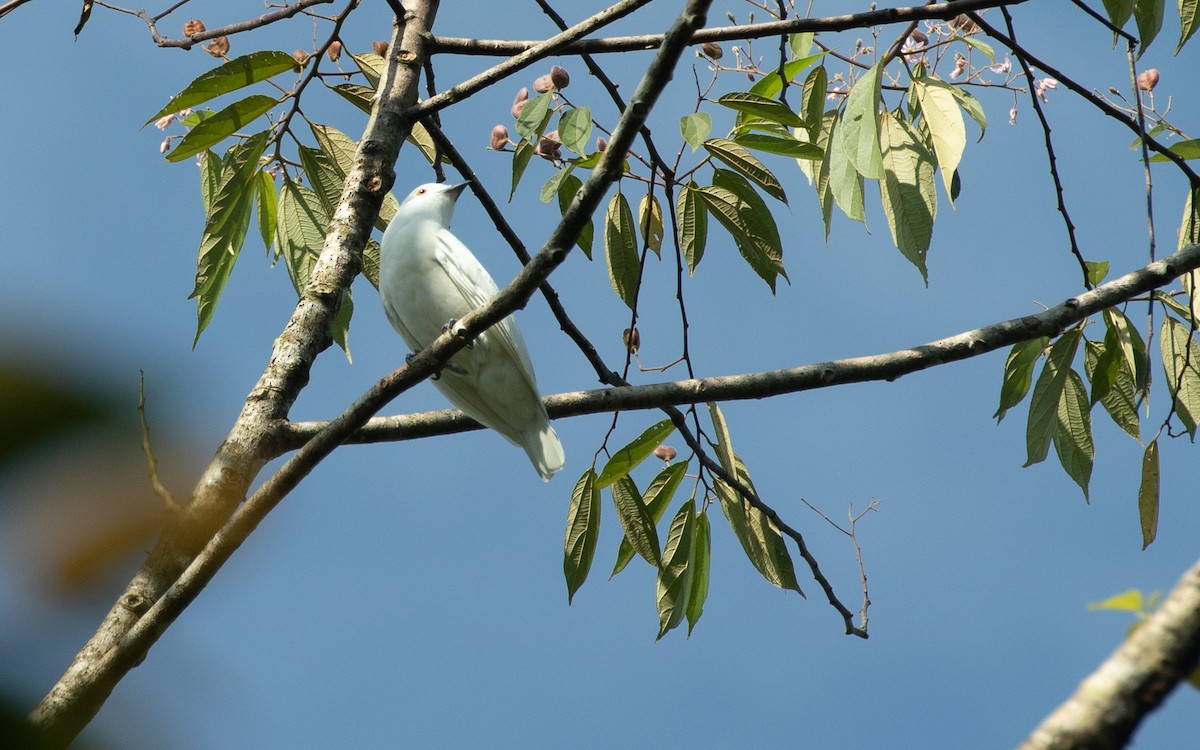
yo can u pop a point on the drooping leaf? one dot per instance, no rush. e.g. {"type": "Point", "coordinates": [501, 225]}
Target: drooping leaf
{"type": "Point", "coordinates": [583, 528]}
{"type": "Point", "coordinates": [656, 499]}
{"type": "Point", "coordinates": [1073, 432]}
{"type": "Point", "coordinates": [844, 181]}
{"type": "Point", "coordinates": [370, 262]}
{"type": "Point", "coordinates": [636, 520]}
{"type": "Point", "coordinates": [761, 106]}
{"type": "Point", "coordinates": [674, 577]}
{"type": "Point", "coordinates": [771, 84]}
{"type": "Point", "coordinates": [567, 188]}
{"type": "Point", "coordinates": [1018, 373]}
{"type": "Point", "coordinates": [743, 161]}
{"type": "Point", "coordinates": [693, 224]}
{"type": "Point", "coordinates": [340, 329]}
{"type": "Point", "coordinates": [520, 161]}
{"type": "Point", "coordinates": [1133, 348]}
{"type": "Point", "coordinates": [699, 565]}
{"type": "Point", "coordinates": [84, 15]}
{"type": "Point", "coordinates": [531, 123]}
{"type": "Point", "coordinates": [754, 241]}
{"type": "Point", "coordinates": [1149, 17]}
{"type": "Point", "coordinates": [978, 44]}
{"type": "Point", "coordinates": [724, 444]}
{"type": "Point", "coordinates": [1148, 494]}
{"type": "Point", "coordinates": [303, 221]}
{"type": "Point", "coordinates": [620, 250]}
{"type": "Point", "coordinates": [650, 222]}
{"type": "Point", "coordinates": [1112, 383]}
{"type": "Point", "coordinates": [553, 186]}
{"type": "Point", "coordinates": [909, 197]}
{"type": "Point", "coordinates": [636, 451]}
{"type": "Point", "coordinates": [221, 125]}
{"type": "Point", "coordinates": [323, 176]}
{"type": "Point", "coordinates": [575, 128]}
{"type": "Point", "coordinates": [1047, 392]}
{"type": "Point", "coordinates": [759, 537]}
{"type": "Point", "coordinates": [860, 124]}
{"type": "Point", "coordinates": [210, 179]}
{"type": "Point", "coordinates": [1119, 11]}
{"type": "Point", "coordinates": [231, 76]}
{"type": "Point", "coordinates": [776, 145]}
{"type": "Point", "coordinates": [357, 94]}
{"type": "Point", "coordinates": [268, 208]}
{"type": "Point", "coordinates": [371, 65]}
{"type": "Point", "coordinates": [812, 103]}
{"type": "Point", "coordinates": [1181, 361]}
{"type": "Point", "coordinates": [695, 128]}
{"type": "Point", "coordinates": [1189, 21]}
{"type": "Point", "coordinates": [225, 227]}
{"type": "Point", "coordinates": [940, 109]}
{"type": "Point", "coordinates": [419, 136]}
{"type": "Point", "coordinates": [972, 107]}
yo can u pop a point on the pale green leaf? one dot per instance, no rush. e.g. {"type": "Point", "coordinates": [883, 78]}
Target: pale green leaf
{"type": "Point", "coordinates": [801, 43]}
{"type": "Point", "coordinates": [1073, 432]}
{"type": "Point", "coordinates": [553, 186]}
{"type": "Point", "coordinates": [235, 74]}
{"type": "Point", "coordinates": [583, 529]}
{"type": "Point", "coordinates": [674, 577]}
{"type": "Point", "coordinates": [972, 107]}
{"type": "Point", "coordinates": [650, 223]}
{"type": "Point", "coordinates": [1132, 348]}
{"type": "Point", "coordinates": [1189, 21]}
{"type": "Point", "coordinates": [419, 136]}
{"type": "Point", "coordinates": [357, 94]}
{"type": "Point", "coordinates": [268, 207]}
{"type": "Point", "coordinates": [1189, 149]}
{"type": "Point", "coordinates": [812, 105]}
{"type": "Point", "coordinates": [620, 250]}
{"type": "Point", "coordinates": [303, 221]}
{"type": "Point", "coordinates": [761, 106]}
{"type": "Point", "coordinates": [693, 225]}
{"type": "Point", "coordinates": [221, 125]}
{"type": "Point", "coordinates": [520, 161]}
{"type": "Point", "coordinates": [567, 188]}
{"type": "Point", "coordinates": [860, 125]}
{"type": "Point", "coordinates": [843, 180]}
{"type": "Point", "coordinates": [531, 123]}
{"type": "Point", "coordinates": [1148, 494]}
{"type": "Point", "coordinates": [636, 451]}
{"type": "Point", "coordinates": [788, 146]}
{"type": "Point", "coordinates": [977, 43]}
{"type": "Point", "coordinates": [907, 190]}
{"type": "Point", "coordinates": [371, 65]}
{"type": "Point", "coordinates": [757, 242]}
{"type": "Point", "coordinates": [743, 161]}
{"type": "Point", "coordinates": [940, 109]}
{"type": "Point", "coordinates": [575, 128]}
{"type": "Point", "coordinates": [724, 445]}
{"type": "Point", "coordinates": [1181, 360]}
{"type": "Point", "coordinates": [1112, 383]}
{"type": "Point", "coordinates": [636, 520]}
{"type": "Point", "coordinates": [323, 176]}
{"type": "Point", "coordinates": [771, 84]}
{"type": "Point", "coordinates": [695, 128]}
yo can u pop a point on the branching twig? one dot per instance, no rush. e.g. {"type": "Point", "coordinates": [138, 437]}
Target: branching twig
{"type": "Point", "coordinates": [159, 488]}
{"type": "Point", "coordinates": [279, 14]}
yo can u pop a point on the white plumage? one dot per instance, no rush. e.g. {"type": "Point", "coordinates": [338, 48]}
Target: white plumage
{"type": "Point", "coordinates": [427, 278]}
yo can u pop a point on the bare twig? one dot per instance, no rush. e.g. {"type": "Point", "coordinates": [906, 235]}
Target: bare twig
{"type": "Point", "coordinates": [155, 482]}
{"type": "Point", "coordinates": [287, 11]}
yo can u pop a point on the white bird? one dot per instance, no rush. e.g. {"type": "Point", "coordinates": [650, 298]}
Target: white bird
{"type": "Point", "coordinates": [427, 280]}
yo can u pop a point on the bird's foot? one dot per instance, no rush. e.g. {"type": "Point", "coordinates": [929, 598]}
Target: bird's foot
{"type": "Point", "coordinates": [454, 329]}
{"type": "Point", "coordinates": [408, 361]}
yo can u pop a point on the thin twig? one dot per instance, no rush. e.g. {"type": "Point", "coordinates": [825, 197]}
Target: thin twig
{"type": "Point", "coordinates": [159, 488]}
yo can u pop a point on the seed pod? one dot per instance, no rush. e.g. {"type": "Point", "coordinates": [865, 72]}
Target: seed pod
{"type": "Point", "coordinates": [548, 149]}
{"type": "Point", "coordinates": [218, 47]}
{"type": "Point", "coordinates": [559, 77]}
{"type": "Point", "coordinates": [920, 36]}
{"type": "Point", "coordinates": [632, 340]}
{"type": "Point", "coordinates": [499, 138]}
{"type": "Point", "coordinates": [519, 102]}
{"type": "Point", "coordinates": [334, 51]}
{"type": "Point", "coordinates": [301, 57]}
{"type": "Point", "coordinates": [380, 47]}
{"type": "Point", "coordinates": [1148, 79]}
{"type": "Point", "coordinates": [712, 50]}
{"type": "Point", "coordinates": [963, 24]}
{"type": "Point", "coordinates": [666, 453]}
{"type": "Point", "coordinates": [193, 27]}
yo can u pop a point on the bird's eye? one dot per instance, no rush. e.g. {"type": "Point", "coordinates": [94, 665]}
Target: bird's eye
{"type": "Point", "coordinates": [420, 191]}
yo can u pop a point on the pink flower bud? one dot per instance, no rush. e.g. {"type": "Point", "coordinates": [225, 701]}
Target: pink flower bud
{"type": "Point", "coordinates": [519, 102]}
{"type": "Point", "coordinates": [542, 84]}
{"type": "Point", "coordinates": [499, 138]}
{"type": "Point", "coordinates": [666, 453]}
{"type": "Point", "coordinates": [166, 144]}
{"type": "Point", "coordinates": [1148, 79]}
{"type": "Point", "coordinates": [601, 143]}
{"type": "Point", "coordinates": [164, 121]}
{"type": "Point", "coordinates": [559, 77]}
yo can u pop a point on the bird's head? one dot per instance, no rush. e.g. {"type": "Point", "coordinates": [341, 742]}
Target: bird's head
{"type": "Point", "coordinates": [432, 200]}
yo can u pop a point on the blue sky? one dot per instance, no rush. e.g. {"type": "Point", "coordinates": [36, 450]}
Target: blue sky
{"type": "Point", "coordinates": [412, 594]}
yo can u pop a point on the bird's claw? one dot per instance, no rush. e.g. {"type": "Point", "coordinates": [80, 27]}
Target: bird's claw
{"type": "Point", "coordinates": [408, 361]}
{"type": "Point", "coordinates": [454, 329]}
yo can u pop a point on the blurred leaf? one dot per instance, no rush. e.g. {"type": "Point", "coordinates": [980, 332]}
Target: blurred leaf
{"type": "Point", "coordinates": [860, 125]}
{"type": "Point", "coordinates": [699, 566]}
{"type": "Point", "coordinates": [1119, 11]}
{"type": "Point", "coordinates": [636, 451]}
{"type": "Point", "coordinates": [575, 128]}
{"type": "Point", "coordinates": [1148, 494]}
{"type": "Point", "coordinates": [1128, 601]}
{"type": "Point", "coordinates": [1097, 270]}
{"type": "Point", "coordinates": [1181, 360]}
{"type": "Point", "coordinates": [674, 577]}
{"type": "Point", "coordinates": [1189, 20]}
{"type": "Point", "coordinates": [1043, 406]}
{"type": "Point", "coordinates": [36, 407]}
{"type": "Point", "coordinates": [746, 163]}
{"type": "Point", "coordinates": [221, 125]}
{"type": "Point", "coordinates": [235, 74]}
{"type": "Point", "coordinates": [770, 84]}
{"type": "Point", "coordinates": [1018, 373]}
{"type": "Point", "coordinates": [568, 186]}
{"type": "Point", "coordinates": [340, 329]}
{"type": "Point", "coordinates": [650, 222]}
{"type": "Point", "coordinates": [695, 128]}
{"type": "Point", "coordinates": [656, 498]}
{"type": "Point", "coordinates": [759, 537]}
{"type": "Point", "coordinates": [693, 224]}
{"type": "Point", "coordinates": [1186, 149]}
{"type": "Point", "coordinates": [1073, 432]}
{"type": "Point", "coordinates": [620, 250]}
{"type": "Point", "coordinates": [583, 528]}
{"type": "Point", "coordinates": [909, 198]}
{"type": "Point", "coordinates": [636, 520]}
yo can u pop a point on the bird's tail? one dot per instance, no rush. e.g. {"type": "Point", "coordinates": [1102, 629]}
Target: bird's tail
{"type": "Point", "coordinates": [545, 451]}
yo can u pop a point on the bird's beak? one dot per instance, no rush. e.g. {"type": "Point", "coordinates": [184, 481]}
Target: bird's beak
{"type": "Point", "coordinates": [456, 190]}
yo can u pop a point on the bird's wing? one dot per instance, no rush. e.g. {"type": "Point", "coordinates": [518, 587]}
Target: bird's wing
{"type": "Point", "coordinates": [477, 287]}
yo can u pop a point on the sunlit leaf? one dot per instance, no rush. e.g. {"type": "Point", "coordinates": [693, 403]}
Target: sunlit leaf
{"type": "Point", "coordinates": [844, 181]}
{"type": "Point", "coordinates": [977, 43]}
{"type": "Point", "coordinates": [940, 109]}
{"type": "Point", "coordinates": [575, 128]}
{"type": "Point", "coordinates": [520, 160]}
{"type": "Point", "coordinates": [860, 125]}
{"type": "Point", "coordinates": [583, 528]}
{"type": "Point", "coordinates": [1018, 373]}
{"type": "Point", "coordinates": [371, 65]}
{"type": "Point", "coordinates": [303, 220]}
{"type": "Point", "coordinates": [650, 222]}
{"type": "Point", "coordinates": [909, 197]}
{"type": "Point", "coordinates": [771, 84]}
{"type": "Point", "coordinates": [1189, 149]}
{"type": "Point", "coordinates": [636, 451]}
{"type": "Point", "coordinates": [553, 186]}
{"type": "Point", "coordinates": [221, 125]}
{"type": "Point", "coordinates": [1128, 601]}
{"type": "Point", "coordinates": [757, 242]}
{"type": "Point", "coordinates": [812, 104]}
{"type": "Point", "coordinates": [235, 74]}
{"type": "Point", "coordinates": [695, 128]}
{"type": "Point", "coordinates": [656, 499]}
{"type": "Point", "coordinates": [1133, 348]}
{"type": "Point", "coordinates": [531, 123]}
{"type": "Point", "coordinates": [620, 250]}
{"type": "Point", "coordinates": [1073, 432]}
{"type": "Point", "coordinates": [1181, 360]}
{"type": "Point", "coordinates": [567, 188]}
{"type": "Point", "coordinates": [972, 107]}
{"type": "Point", "coordinates": [743, 161]}
{"type": "Point", "coordinates": [699, 565]}
{"type": "Point", "coordinates": [724, 444]}
{"type": "Point", "coordinates": [782, 146]}
{"type": "Point", "coordinates": [674, 577]}
{"type": "Point", "coordinates": [357, 94]}
{"type": "Point", "coordinates": [268, 207]}
{"type": "Point", "coordinates": [761, 106]}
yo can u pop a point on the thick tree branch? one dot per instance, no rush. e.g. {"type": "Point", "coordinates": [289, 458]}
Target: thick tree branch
{"type": "Point", "coordinates": [887, 366]}
{"type": "Point", "coordinates": [114, 650]}
{"type": "Point", "coordinates": [507, 48]}
{"type": "Point", "coordinates": [1108, 706]}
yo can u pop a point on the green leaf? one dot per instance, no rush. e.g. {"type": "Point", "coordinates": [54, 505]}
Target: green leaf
{"type": "Point", "coordinates": [323, 176]}
{"type": "Point", "coordinates": [699, 565]}
{"type": "Point", "coordinates": [693, 224]}
{"type": "Point", "coordinates": [761, 106]}
{"type": "Point", "coordinates": [860, 125]}
{"type": "Point", "coordinates": [337, 146]}
{"type": "Point", "coordinates": [940, 109]}
{"type": "Point", "coordinates": [1043, 406]}
{"type": "Point", "coordinates": [1189, 225]}
{"type": "Point", "coordinates": [909, 197]}
{"type": "Point", "coordinates": [1018, 373]}
{"type": "Point", "coordinates": [220, 126]}
{"type": "Point", "coordinates": [340, 329]}
{"type": "Point", "coordinates": [1073, 432]}
{"type": "Point", "coordinates": [575, 128]}
{"type": "Point", "coordinates": [520, 160]}
{"type": "Point", "coordinates": [210, 179]}
{"type": "Point", "coordinates": [620, 250]}
{"type": "Point", "coordinates": [757, 242]}
{"type": "Point", "coordinates": [1149, 17]}
{"type": "Point", "coordinates": [567, 188]}
{"type": "Point", "coordinates": [225, 227]}
{"type": "Point", "coordinates": [1097, 270]}
{"type": "Point", "coordinates": [1128, 601]}
{"type": "Point", "coordinates": [972, 107]}
{"type": "Point", "coordinates": [1112, 383]}
{"type": "Point", "coordinates": [650, 223]}
{"type": "Point", "coordinates": [1181, 360]}
{"type": "Point", "coordinates": [1189, 21]}
{"type": "Point", "coordinates": [268, 208]}
{"type": "Point", "coordinates": [1132, 348]}
{"type": "Point", "coordinates": [303, 221]}
{"type": "Point", "coordinates": [759, 537]}
{"type": "Point", "coordinates": [419, 136]}
{"type": "Point", "coordinates": [812, 104]}
{"type": "Point", "coordinates": [674, 577]}
{"type": "Point", "coordinates": [656, 498]}
{"type": "Point", "coordinates": [371, 65]}
{"type": "Point", "coordinates": [357, 94]}
{"type": "Point", "coordinates": [783, 146]}
{"type": "Point", "coordinates": [1189, 149]}
{"type": "Point", "coordinates": [978, 44]}
{"type": "Point", "coordinates": [801, 43]}
{"type": "Point", "coordinates": [771, 84]}
{"type": "Point", "coordinates": [636, 520]}
{"type": "Point", "coordinates": [231, 76]}
{"type": "Point", "coordinates": [638, 449]}
{"type": "Point", "coordinates": [583, 528]}
{"type": "Point", "coordinates": [1148, 494]}
{"type": "Point", "coordinates": [844, 182]}
{"type": "Point", "coordinates": [695, 128]}
{"type": "Point", "coordinates": [553, 186]}
{"type": "Point", "coordinates": [746, 163]}
{"type": "Point", "coordinates": [370, 262]}
{"type": "Point", "coordinates": [531, 123]}
{"type": "Point", "coordinates": [724, 445]}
